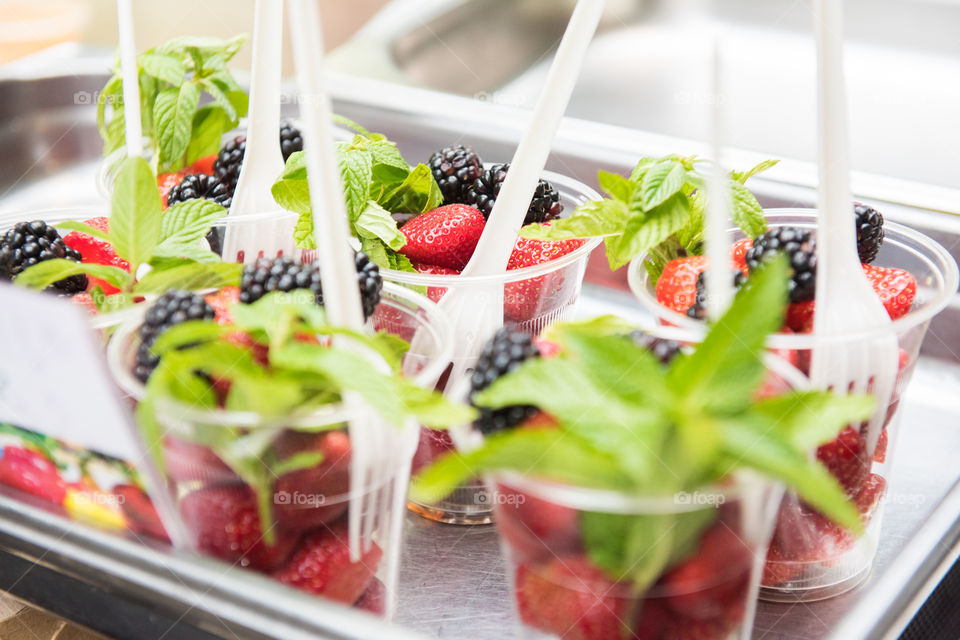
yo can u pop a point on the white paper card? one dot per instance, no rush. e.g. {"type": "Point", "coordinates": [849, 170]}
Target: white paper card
{"type": "Point", "coordinates": [54, 377]}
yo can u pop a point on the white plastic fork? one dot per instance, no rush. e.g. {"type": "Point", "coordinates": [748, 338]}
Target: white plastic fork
{"type": "Point", "coordinates": [375, 445]}
{"type": "Point", "coordinates": [262, 159]}
{"type": "Point", "coordinates": [131, 80]}
{"type": "Point", "coordinates": [846, 303]}
{"type": "Point", "coordinates": [477, 312]}
{"type": "Point", "coordinates": [719, 288]}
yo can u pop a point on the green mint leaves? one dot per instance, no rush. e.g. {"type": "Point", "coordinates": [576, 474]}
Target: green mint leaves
{"type": "Point", "coordinates": [628, 423]}
{"type": "Point", "coordinates": [658, 210]}
{"type": "Point", "coordinates": [377, 182]}
{"type": "Point", "coordinates": [173, 79]}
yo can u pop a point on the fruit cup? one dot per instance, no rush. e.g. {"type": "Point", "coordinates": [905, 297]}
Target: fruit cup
{"type": "Point", "coordinates": [534, 297]}
{"type": "Point", "coordinates": [715, 539]}
{"type": "Point", "coordinates": [305, 545]}
{"type": "Point", "coordinates": [811, 558]}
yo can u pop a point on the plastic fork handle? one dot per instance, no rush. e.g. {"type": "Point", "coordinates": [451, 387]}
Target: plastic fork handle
{"type": "Point", "coordinates": [262, 160]}
{"type": "Point", "coordinates": [499, 236]}
{"type": "Point", "coordinates": [131, 80]}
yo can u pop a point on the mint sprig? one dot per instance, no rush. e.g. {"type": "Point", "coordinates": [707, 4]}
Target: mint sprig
{"type": "Point", "coordinates": [658, 210]}
{"type": "Point", "coordinates": [377, 182]}
{"type": "Point", "coordinates": [171, 242]}
{"type": "Point", "coordinates": [173, 78]}
{"type": "Point", "coordinates": [654, 430]}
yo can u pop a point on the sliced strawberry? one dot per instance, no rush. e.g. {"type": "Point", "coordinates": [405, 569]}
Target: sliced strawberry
{"type": "Point", "coordinates": [139, 510]}
{"type": "Point", "coordinates": [445, 237]}
{"type": "Point", "coordinates": [374, 599]}
{"type": "Point", "coordinates": [873, 491]}
{"type": "Point", "coordinates": [880, 452]}
{"type": "Point", "coordinates": [315, 495]}
{"type": "Point", "coordinates": [895, 287]}
{"type": "Point", "coordinates": [203, 165]}
{"type": "Point", "coordinates": [573, 599]}
{"type": "Point", "coordinates": [677, 287]}
{"type": "Point", "coordinates": [780, 568]}
{"type": "Point", "coordinates": [527, 299]}
{"type": "Point", "coordinates": [96, 251]}
{"type": "Point", "coordinates": [536, 529]}
{"type": "Point", "coordinates": [738, 253]}
{"type": "Point", "coordinates": [32, 473]}
{"type": "Point", "coordinates": [322, 566]}
{"type": "Point", "coordinates": [847, 459]}
{"type": "Point", "coordinates": [800, 316]}
{"type": "Point", "coordinates": [225, 523]}
{"type": "Point", "coordinates": [221, 301]}
{"type": "Point", "coordinates": [435, 293]}
{"type": "Point", "coordinates": [167, 181]}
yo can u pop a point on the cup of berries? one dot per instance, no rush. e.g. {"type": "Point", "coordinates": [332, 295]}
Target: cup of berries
{"type": "Point", "coordinates": [239, 400]}
{"type": "Point", "coordinates": [638, 497]}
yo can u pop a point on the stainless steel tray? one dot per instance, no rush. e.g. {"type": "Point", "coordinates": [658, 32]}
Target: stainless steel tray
{"type": "Point", "coordinates": [453, 582]}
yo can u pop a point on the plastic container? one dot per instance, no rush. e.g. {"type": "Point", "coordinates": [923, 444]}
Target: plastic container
{"type": "Point", "coordinates": [810, 559]}
{"type": "Point", "coordinates": [534, 298]}
{"type": "Point", "coordinates": [309, 505]}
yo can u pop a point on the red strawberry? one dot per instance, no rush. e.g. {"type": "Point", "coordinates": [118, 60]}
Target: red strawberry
{"type": "Point", "coordinates": [316, 495]}
{"type": "Point", "coordinates": [800, 316]}
{"type": "Point", "coordinates": [895, 287]}
{"type": "Point", "coordinates": [140, 513]}
{"type": "Point", "coordinates": [870, 496]}
{"type": "Point", "coordinates": [535, 529]}
{"type": "Point", "coordinates": [85, 300]}
{"type": "Point", "coordinates": [96, 251]}
{"type": "Point", "coordinates": [322, 566]}
{"type": "Point", "coordinates": [203, 165]}
{"type": "Point", "coordinates": [738, 253]}
{"type": "Point", "coordinates": [435, 293]}
{"type": "Point", "coordinates": [677, 286]}
{"type": "Point", "coordinates": [573, 599]}
{"type": "Point", "coordinates": [687, 629]}
{"type": "Point", "coordinates": [433, 444]}
{"type": "Point", "coordinates": [547, 348]}
{"type": "Point", "coordinates": [880, 452]}
{"type": "Point", "coordinates": [221, 301]}
{"type": "Point", "coordinates": [445, 237]}
{"type": "Point", "coordinates": [226, 524]}
{"type": "Point", "coordinates": [32, 473]}
{"type": "Point", "coordinates": [780, 568]}
{"type": "Point", "coordinates": [713, 582]}
{"type": "Point", "coordinates": [189, 462]}
{"type": "Point", "coordinates": [847, 459]}
{"type": "Point", "coordinates": [374, 599]}
{"type": "Point", "coordinates": [167, 181]}
{"type": "Point", "coordinates": [653, 618]}
{"type": "Point", "coordinates": [526, 299]}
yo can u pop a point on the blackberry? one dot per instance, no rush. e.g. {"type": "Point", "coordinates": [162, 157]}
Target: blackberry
{"type": "Point", "coordinates": [800, 247]}
{"type": "Point", "coordinates": [544, 206]}
{"type": "Point", "coordinates": [455, 170]}
{"type": "Point", "coordinates": [172, 308]}
{"type": "Point", "coordinates": [291, 140]}
{"type": "Point", "coordinates": [226, 167]}
{"type": "Point", "coordinates": [283, 274]}
{"type": "Point", "coordinates": [662, 349]}
{"type": "Point", "coordinates": [28, 243]}
{"type": "Point", "coordinates": [200, 185]}
{"type": "Point", "coordinates": [698, 310]}
{"type": "Point", "coordinates": [869, 232]}
{"type": "Point", "coordinates": [503, 353]}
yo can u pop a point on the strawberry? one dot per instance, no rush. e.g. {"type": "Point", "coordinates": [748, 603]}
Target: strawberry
{"type": "Point", "coordinates": [435, 293]}
{"type": "Point", "coordinates": [653, 617]}
{"type": "Point", "coordinates": [800, 316]}
{"type": "Point", "coordinates": [738, 253]}
{"type": "Point", "coordinates": [322, 487]}
{"type": "Point", "coordinates": [189, 462]}
{"type": "Point", "coordinates": [221, 301]}
{"type": "Point", "coordinates": [895, 287]}
{"type": "Point", "coordinates": [870, 496]}
{"type": "Point", "coordinates": [677, 286]}
{"type": "Point", "coordinates": [203, 165]}
{"type": "Point", "coordinates": [547, 348]}
{"type": "Point", "coordinates": [847, 459]}
{"type": "Point", "coordinates": [167, 181]}
{"type": "Point", "coordinates": [140, 513]}
{"type": "Point", "coordinates": [714, 581]}
{"type": "Point", "coordinates": [880, 452]}
{"type": "Point", "coordinates": [322, 566]}
{"type": "Point", "coordinates": [534, 528]}
{"type": "Point", "coordinates": [32, 473]}
{"type": "Point", "coordinates": [85, 300]}
{"type": "Point", "coordinates": [686, 629]}
{"type": "Point", "coordinates": [374, 599]}
{"type": "Point", "coordinates": [96, 251]}
{"type": "Point", "coordinates": [445, 237]}
{"type": "Point", "coordinates": [226, 524]}
{"type": "Point", "coordinates": [573, 599]}
{"type": "Point", "coordinates": [780, 568]}
{"type": "Point", "coordinates": [433, 444]}
{"type": "Point", "coordinates": [526, 299]}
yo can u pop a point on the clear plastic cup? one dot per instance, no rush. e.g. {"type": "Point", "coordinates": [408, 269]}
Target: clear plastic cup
{"type": "Point", "coordinates": [708, 590]}
{"type": "Point", "coordinates": [809, 558]}
{"type": "Point", "coordinates": [310, 505]}
{"type": "Point", "coordinates": [534, 298]}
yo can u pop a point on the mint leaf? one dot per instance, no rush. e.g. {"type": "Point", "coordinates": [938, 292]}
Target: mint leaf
{"type": "Point", "coordinates": [356, 172]}
{"type": "Point", "coordinates": [209, 124]}
{"type": "Point", "coordinates": [743, 176]}
{"type": "Point", "coordinates": [376, 222]}
{"type": "Point", "coordinates": [634, 548]}
{"type": "Point", "coordinates": [173, 113]}
{"type": "Point", "coordinates": [596, 218]}
{"type": "Point", "coordinates": [43, 274]}
{"type": "Point", "coordinates": [618, 187]}
{"type": "Point", "coordinates": [660, 182]}
{"type": "Point", "coordinates": [350, 124]}
{"type": "Point", "coordinates": [808, 419]}
{"type": "Point", "coordinates": [135, 212]}
{"type": "Point", "coordinates": [642, 233]}
{"type": "Point", "coordinates": [188, 222]}
{"type": "Point", "coordinates": [746, 211]}
{"type": "Point", "coordinates": [192, 276]}
{"type": "Point", "coordinates": [303, 234]}
{"type": "Point", "coordinates": [417, 193]}
{"type": "Point", "coordinates": [163, 67]}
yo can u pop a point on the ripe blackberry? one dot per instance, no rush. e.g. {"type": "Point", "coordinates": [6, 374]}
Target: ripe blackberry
{"type": "Point", "coordinates": [800, 247]}
{"type": "Point", "coordinates": [455, 170]}
{"type": "Point", "coordinates": [28, 243]}
{"type": "Point", "coordinates": [226, 167]}
{"type": "Point", "coordinates": [200, 185]}
{"type": "Point", "coordinates": [662, 349]}
{"type": "Point", "coordinates": [698, 310]}
{"type": "Point", "coordinates": [172, 308]}
{"type": "Point", "coordinates": [503, 353]}
{"type": "Point", "coordinates": [544, 206]}
{"type": "Point", "coordinates": [291, 140]}
{"type": "Point", "coordinates": [869, 232]}
{"type": "Point", "coordinates": [283, 274]}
